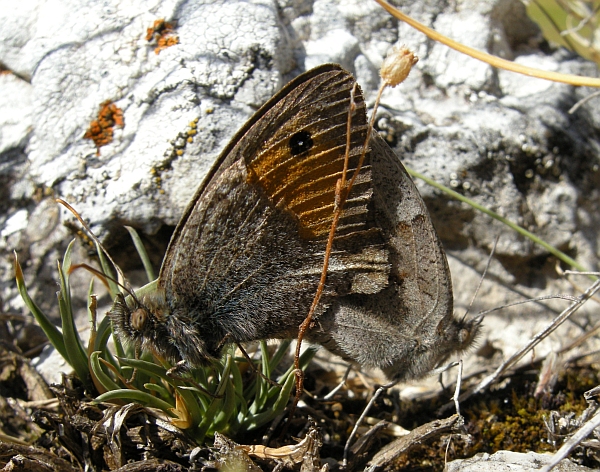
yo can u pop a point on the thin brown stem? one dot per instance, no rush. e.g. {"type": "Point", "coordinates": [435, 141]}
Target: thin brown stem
{"type": "Point", "coordinates": [342, 190]}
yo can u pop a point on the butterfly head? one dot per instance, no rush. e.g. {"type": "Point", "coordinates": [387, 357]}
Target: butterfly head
{"type": "Point", "coordinates": [468, 332]}
{"type": "Point", "coordinates": [143, 322]}
{"type": "Point", "coordinates": [432, 350]}
{"type": "Point", "coordinates": [453, 336]}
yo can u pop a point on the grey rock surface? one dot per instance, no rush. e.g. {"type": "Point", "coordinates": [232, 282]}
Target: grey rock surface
{"type": "Point", "coordinates": [505, 140]}
{"type": "Point", "coordinates": [509, 461]}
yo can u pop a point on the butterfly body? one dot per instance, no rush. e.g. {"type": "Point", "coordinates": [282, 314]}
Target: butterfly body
{"type": "Point", "coordinates": [245, 260]}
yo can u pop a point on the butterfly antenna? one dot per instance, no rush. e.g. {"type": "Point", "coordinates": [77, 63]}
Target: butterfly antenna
{"type": "Point", "coordinates": [482, 278]}
{"type": "Point", "coordinates": [102, 275]}
{"type": "Point", "coordinates": [125, 284]}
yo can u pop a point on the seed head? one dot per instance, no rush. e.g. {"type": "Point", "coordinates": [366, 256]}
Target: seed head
{"type": "Point", "coordinates": [397, 65]}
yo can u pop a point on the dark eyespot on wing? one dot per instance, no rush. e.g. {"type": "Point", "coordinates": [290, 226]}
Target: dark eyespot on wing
{"type": "Point", "coordinates": [300, 143]}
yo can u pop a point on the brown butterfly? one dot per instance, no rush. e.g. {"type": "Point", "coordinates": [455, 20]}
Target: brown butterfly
{"type": "Point", "coordinates": [245, 260]}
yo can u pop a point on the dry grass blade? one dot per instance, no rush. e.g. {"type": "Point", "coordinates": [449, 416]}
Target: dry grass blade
{"type": "Point", "coordinates": [573, 442]}
{"type": "Point", "coordinates": [20, 457]}
{"type": "Point", "coordinates": [305, 450]}
{"type": "Point", "coordinates": [579, 436]}
{"type": "Point", "coordinates": [560, 319]}
{"type": "Point", "coordinates": [417, 436]}
{"type": "Point", "coordinates": [488, 58]}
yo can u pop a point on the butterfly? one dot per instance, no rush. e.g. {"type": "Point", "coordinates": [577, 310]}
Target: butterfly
{"type": "Point", "coordinates": [245, 259]}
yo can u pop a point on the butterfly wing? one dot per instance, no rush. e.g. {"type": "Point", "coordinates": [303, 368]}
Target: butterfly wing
{"type": "Point", "coordinates": [245, 260]}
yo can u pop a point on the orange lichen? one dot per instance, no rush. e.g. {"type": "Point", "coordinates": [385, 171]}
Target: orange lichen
{"type": "Point", "coordinates": [101, 129]}
{"type": "Point", "coordinates": [162, 33]}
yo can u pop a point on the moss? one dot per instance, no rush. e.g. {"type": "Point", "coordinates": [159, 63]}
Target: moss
{"type": "Point", "coordinates": [509, 418]}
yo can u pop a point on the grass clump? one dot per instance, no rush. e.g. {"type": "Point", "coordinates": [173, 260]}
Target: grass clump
{"type": "Point", "coordinates": [228, 396]}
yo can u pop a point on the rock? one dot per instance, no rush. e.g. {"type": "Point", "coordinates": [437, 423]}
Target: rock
{"type": "Point", "coordinates": [505, 461]}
